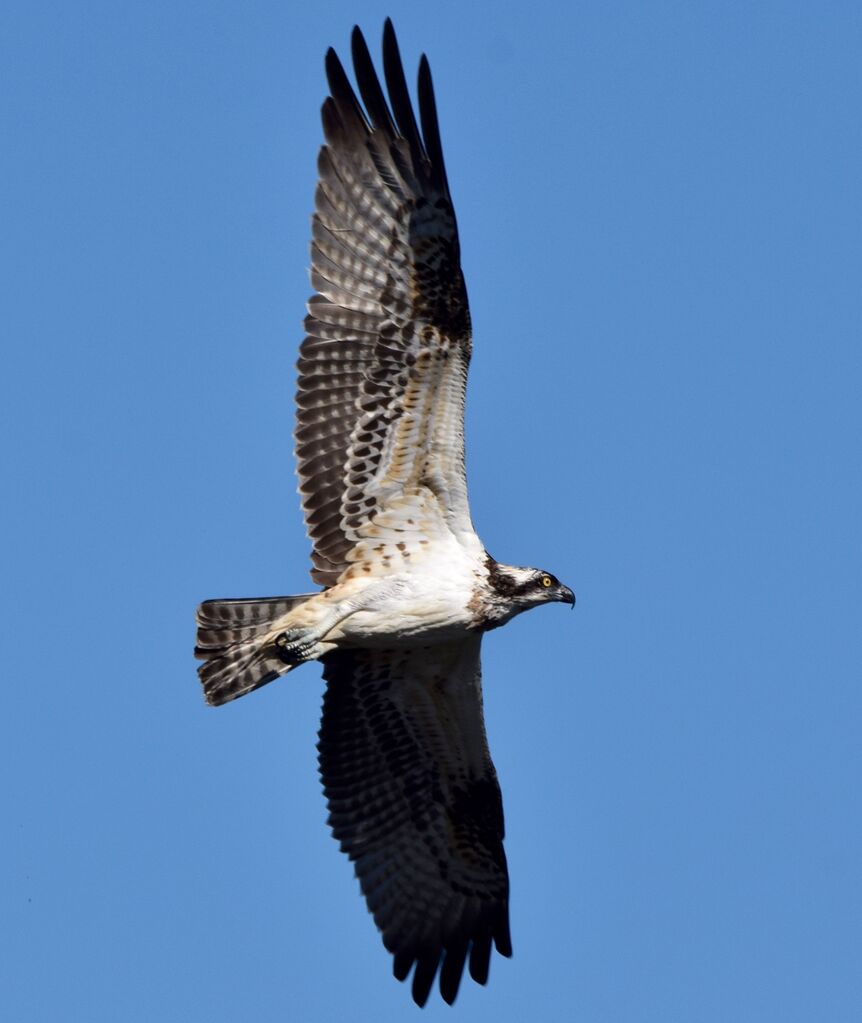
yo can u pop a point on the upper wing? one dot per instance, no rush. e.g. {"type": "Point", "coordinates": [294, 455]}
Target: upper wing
{"type": "Point", "coordinates": [383, 369]}
{"type": "Point", "coordinates": [414, 801]}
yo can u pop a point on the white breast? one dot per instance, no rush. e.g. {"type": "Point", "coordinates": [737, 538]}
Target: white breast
{"type": "Point", "coordinates": [428, 601]}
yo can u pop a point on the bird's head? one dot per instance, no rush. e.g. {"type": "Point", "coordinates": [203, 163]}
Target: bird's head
{"type": "Point", "coordinates": [518, 589]}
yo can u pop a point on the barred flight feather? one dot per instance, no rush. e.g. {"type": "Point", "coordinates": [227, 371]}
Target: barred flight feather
{"type": "Point", "coordinates": [385, 263]}
{"type": "Point", "coordinates": [414, 801]}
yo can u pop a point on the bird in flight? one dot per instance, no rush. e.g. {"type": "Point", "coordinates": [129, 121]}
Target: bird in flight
{"type": "Point", "coordinates": [407, 587]}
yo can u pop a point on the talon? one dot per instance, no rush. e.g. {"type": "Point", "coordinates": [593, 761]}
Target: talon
{"type": "Point", "coordinates": [294, 652]}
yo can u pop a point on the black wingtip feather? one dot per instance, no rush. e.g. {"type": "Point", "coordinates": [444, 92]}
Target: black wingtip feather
{"type": "Point", "coordinates": [480, 958]}
{"type": "Point", "coordinates": [430, 122]}
{"type": "Point", "coordinates": [342, 92]}
{"type": "Point", "coordinates": [369, 84]}
{"type": "Point", "coordinates": [502, 937]}
{"type": "Point", "coordinates": [401, 964]}
{"type": "Point", "coordinates": [423, 977]}
{"type": "Point", "coordinates": [399, 95]}
{"type": "Point", "coordinates": [452, 970]}
{"type": "Point", "coordinates": [332, 124]}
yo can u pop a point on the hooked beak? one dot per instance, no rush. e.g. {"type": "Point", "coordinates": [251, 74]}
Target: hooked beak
{"type": "Point", "coordinates": [566, 596]}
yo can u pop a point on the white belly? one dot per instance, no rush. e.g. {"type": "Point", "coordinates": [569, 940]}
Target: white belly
{"type": "Point", "coordinates": [414, 610]}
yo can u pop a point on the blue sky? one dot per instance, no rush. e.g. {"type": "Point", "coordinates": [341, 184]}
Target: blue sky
{"type": "Point", "coordinates": [660, 219]}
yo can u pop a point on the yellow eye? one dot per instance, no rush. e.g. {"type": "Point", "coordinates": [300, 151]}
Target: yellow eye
{"type": "Point", "coordinates": [546, 581]}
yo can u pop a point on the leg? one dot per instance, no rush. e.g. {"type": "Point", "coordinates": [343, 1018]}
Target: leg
{"type": "Point", "coordinates": [302, 641]}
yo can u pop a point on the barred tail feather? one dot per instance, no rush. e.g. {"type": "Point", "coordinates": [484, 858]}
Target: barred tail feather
{"type": "Point", "coordinates": [235, 642]}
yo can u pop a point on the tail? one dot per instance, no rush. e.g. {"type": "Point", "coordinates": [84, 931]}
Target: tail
{"type": "Point", "coordinates": [235, 640]}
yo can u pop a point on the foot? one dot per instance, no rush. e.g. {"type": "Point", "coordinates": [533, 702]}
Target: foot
{"type": "Point", "coordinates": [295, 649]}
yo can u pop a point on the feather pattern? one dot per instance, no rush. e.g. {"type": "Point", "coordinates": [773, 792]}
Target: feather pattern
{"type": "Point", "coordinates": [383, 367]}
{"type": "Point", "coordinates": [233, 642]}
{"type": "Point", "coordinates": [414, 800]}
{"type": "Point", "coordinates": [409, 589]}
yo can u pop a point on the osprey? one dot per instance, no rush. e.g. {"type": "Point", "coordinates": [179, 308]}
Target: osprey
{"type": "Point", "coordinates": [408, 589]}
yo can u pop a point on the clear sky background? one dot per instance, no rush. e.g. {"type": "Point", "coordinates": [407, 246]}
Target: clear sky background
{"type": "Point", "coordinates": [660, 221]}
